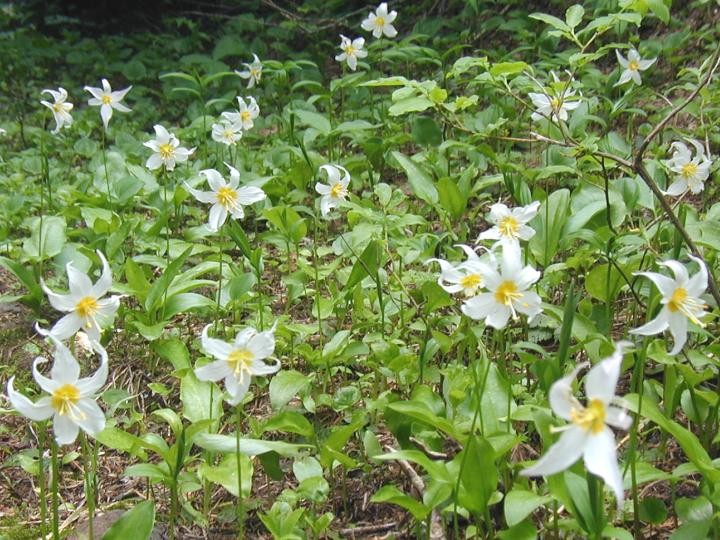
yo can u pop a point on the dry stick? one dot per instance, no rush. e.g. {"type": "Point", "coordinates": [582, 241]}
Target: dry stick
{"type": "Point", "coordinates": [363, 530]}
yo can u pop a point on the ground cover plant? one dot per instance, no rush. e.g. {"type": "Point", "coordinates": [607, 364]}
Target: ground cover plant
{"type": "Point", "coordinates": [407, 270]}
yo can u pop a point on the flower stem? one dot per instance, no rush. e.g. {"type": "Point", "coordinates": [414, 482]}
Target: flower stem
{"type": "Point", "coordinates": [89, 471]}
{"type": "Point", "coordinates": [238, 456]}
{"type": "Point", "coordinates": [107, 176]}
{"type": "Point", "coordinates": [55, 490]}
{"type": "Point", "coordinates": [42, 481]}
{"type": "Point", "coordinates": [637, 386]}
{"type": "Point", "coordinates": [317, 300]}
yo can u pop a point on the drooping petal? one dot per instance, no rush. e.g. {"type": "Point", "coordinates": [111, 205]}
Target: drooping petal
{"type": "Point", "coordinates": [260, 367]}
{"type": "Point", "coordinates": [214, 371]}
{"type": "Point", "coordinates": [562, 400]}
{"type": "Point", "coordinates": [601, 459]}
{"type": "Point", "coordinates": [106, 114]}
{"type": "Point", "coordinates": [42, 410]}
{"type": "Point", "coordinates": [61, 302]}
{"type": "Point", "coordinates": [237, 388]}
{"type": "Point", "coordinates": [656, 326]}
{"type": "Point", "coordinates": [561, 455]}
{"type": "Point", "coordinates": [262, 345]}
{"type": "Point", "coordinates": [601, 380]}
{"type": "Point", "coordinates": [621, 59]}
{"type": "Point", "coordinates": [333, 173]}
{"type": "Point", "coordinates": [102, 286]}
{"type": "Point", "coordinates": [214, 179]}
{"type": "Point", "coordinates": [681, 274]}
{"type": "Point", "coordinates": [247, 195]}
{"type": "Point", "coordinates": [65, 429]}
{"type": "Point", "coordinates": [678, 324]}
{"type": "Point", "coordinates": [65, 368]}
{"type": "Point", "coordinates": [215, 347]}
{"type": "Point", "coordinates": [79, 282]}
{"type": "Point", "coordinates": [617, 417]}
{"type": "Point", "coordinates": [90, 416]}
{"type": "Point", "coordinates": [216, 217]}
{"type": "Point", "coordinates": [697, 284]}
{"type": "Point", "coordinates": [67, 326]}
{"type": "Point", "coordinates": [88, 386]}
{"type": "Point", "coordinates": [665, 285]}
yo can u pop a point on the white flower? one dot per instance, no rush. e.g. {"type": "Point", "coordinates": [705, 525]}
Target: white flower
{"type": "Point", "coordinates": [335, 191]}
{"type": "Point", "coordinates": [85, 306]}
{"type": "Point", "coordinates": [691, 171]}
{"type": "Point", "coordinates": [632, 66]}
{"type": "Point", "coordinates": [60, 108]}
{"type": "Point", "coordinates": [380, 22]}
{"type": "Point", "coordinates": [508, 292]}
{"type": "Point", "coordinates": [555, 104]}
{"type": "Point", "coordinates": [510, 226]}
{"type": "Point", "coordinates": [71, 402]}
{"type": "Point", "coordinates": [226, 132]}
{"type": "Point", "coordinates": [588, 434]}
{"type": "Point", "coordinates": [226, 197]}
{"type": "Point", "coordinates": [107, 100]}
{"type": "Point", "coordinates": [467, 277]}
{"type": "Point", "coordinates": [237, 362]}
{"type": "Point", "coordinates": [351, 51]}
{"type": "Point", "coordinates": [167, 150]}
{"type": "Point", "coordinates": [681, 302]}
{"type": "Point", "coordinates": [246, 113]}
{"type": "Point", "coordinates": [253, 72]}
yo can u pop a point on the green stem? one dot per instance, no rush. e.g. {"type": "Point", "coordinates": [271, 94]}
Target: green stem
{"type": "Point", "coordinates": [317, 300]}
{"type": "Point", "coordinates": [637, 386]}
{"type": "Point", "coordinates": [107, 175]}
{"type": "Point", "coordinates": [220, 277]}
{"type": "Point", "coordinates": [238, 456]}
{"type": "Point", "coordinates": [42, 481]}
{"type": "Point", "coordinates": [89, 483]}
{"type": "Point", "coordinates": [55, 490]}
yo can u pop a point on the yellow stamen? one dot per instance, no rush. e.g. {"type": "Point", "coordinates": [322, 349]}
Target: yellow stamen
{"type": "Point", "coordinates": [107, 100]}
{"type": "Point", "coordinates": [379, 21]}
{"type": "Point", "coordinates": [255, 73]}
{"type": "Point", "coordinates": [684, 303]}
{"type": "Point", "coordinates": [338, 191]}
{"type": "Point", "coordinates": [555, 103]}
{"type": "Point", "coordinates": [590, 418]}
{"type": "Point", "coordinates": [349, 50]}
{"type": "Point", "coordinates": [509, 227]}
{"type": "Point", "coordinates": [471, 283]}
{"type": "Point", "coordinates": [166, 151]}
{"type": "Point", "coordinates": [227, 197]}
{"type": "Point", "coordinates": [57, 107]}
{"type": "Point", "coordinates": [245, 116]}
{"type": "Point", "coordinates": [229, 135]}
{"type": "Point", "coordinates": [506, 293]}
{"type": "Point", "coordinates": [633, 65]}
{"type": "Point", "coordinates": [87, 307]}
{"type": "Point", "coordinates": [64, 399]}
{"type": "Point", "coordinates": [240, 360]}
{"type": "Point", "coordinates": [689, 170]}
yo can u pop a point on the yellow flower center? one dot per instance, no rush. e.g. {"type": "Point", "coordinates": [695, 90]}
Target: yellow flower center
{"type": "Point", "coordinates": [349, 50]}
{"type": "Point", "coordinates": [380, 21]}
{"type": "Point", "coordinates": [64, 398]}
{"type": "Point", "coordinates": [166, 151]}
{"type": "Point", "coordinates": [106, 99]}
{"type": "Point", "coordinates": [689, 170]}
{"type": "Point", "coordinates": [255, 73]}
{"type": "Point", "coordinates": [240, 360]}
{"type": "Point", "coordinates": [687, 305]}
{"type": "Point", "coordinates": [87, 307]}
{"type": "Point", "coordinates": [555, 103]}
{"type": "Point", "coordinates": [507, 292]}
{"type": "Point", "coordinates": [590, 418]}
{"type": "Point", "coordinates": [633, 65]}
{"type": "Point", "coordinates": [338, 191]}
{"type": "Point", "coordinates": [677, 300]}
{"type": "Point", "coordinates": [509, 227]}
{"type": "Point", "coordinates": [57, 107]}
{"type": "Point", "coordinates": [245, 116]}
{"type": "Point", "coordinates": [227, 197]}
{"type": "Point", "coordinates": [471, 282]}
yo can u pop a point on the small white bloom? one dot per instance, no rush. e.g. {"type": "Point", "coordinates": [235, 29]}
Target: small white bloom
{"type": "Point", "coordinates": [85, 306]}
{"type": "Point", "coordinates": [226, 197]}
{"type": "Point", "coordinates": [336, 190]}
{"type": "Point", "coordinates": [237, 362]}
{"type": "Point", "coordinates": [226, 132]}
{"type": "Point", "coordinates": [71, 402]}
{"type": "Point", "coordinates": [691, 171]}
{"type": "Point", "coordinates": [467, 277]}
{"type": "Point", "coordinates": [246, 113]}
{"type": "Point", "coordinates": [554, 104]}
{"type": "Point", "coordinates": [253, 72]}
{"type": "Point", "coordinates": [510, 226]}
{"type": "Point", "coordinates": [167, 150]}
{"type": "Point", "coordinates": [632, 66]}
{"type": "Point", "coordinates": [380, 22]}
{"type": "Point", "coordinates": [351, 51]}
{"type": "Point", "coordinates": [107, 100]}
{"type": "Point", "coordinates": [681, 302]}
{"type": "Point", "coordinates": [59, 107]}
{"type": "Point", "coordinates": [508, 292]}
{"type": "Point", "coordinates": [588, 434]}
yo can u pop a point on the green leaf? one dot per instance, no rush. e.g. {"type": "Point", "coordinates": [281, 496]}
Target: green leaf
{"type": "Point", "coordinates": [52, 237]}
{"type": "Point", "coordinates": [426, 132]}
{"type": "Point", "coordinates": [174, 351]}
{"type": "Point", "coordinates": [480, 476]}
{"type": "Point", "coordinates": [391, 494]}
{"type": "Point", "coordinates": [659, 9]}
{"type": "Point", "coordinates": [314, 119]}
{"type": "Point", "coordinates": [249, 447]}
{"type": "Point", "coordinates": [507, 68]}
{"type": "Point", "coordinates": [195, 396]}
{"type": "Point", "coordinates": [366, 265]}
{"type": "Point", "coordinates": [451, 198]}
{"type": "Point", "coordinates": [574, 15]}
{"type": "Point", "coordinates": [285, 385]}
{"type": "Point", "coordinates": [136, 523]}
{"type": "Point", "coordinates": [420, 182]}
{"type": "Point", "coordinates": [27, 278]}
{"type": "Point", "coordinates": [411, 104]}
{"type": "Point", "coordinates": [420, 411]}
{"type": "Point", "coordinates": [548, 224]}
{"type": "Point", "coordinates": [552, 21]}
{"type": "Point", "coordinates": [520, 503]}
{"type": "Point", "coordinates": [290, 422]}
{"type": "Point", "coordinates": [155, 295]}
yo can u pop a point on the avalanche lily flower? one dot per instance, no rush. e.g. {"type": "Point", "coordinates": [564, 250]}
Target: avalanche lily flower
{"type": "Point", "coordinates": [380, 22]}
{"type": "Point", "coordinates": [167, 150]}
{"type": "Point", "coordinates": [681, 302]}
{"type": "Point", "coordinates": [237, 362]}
{"type": "Point", "coordinates": [71, 400]}
{"type": "Point", "coordinates": [554, 105]}
{"type": "Point", "coordinates": [226, 197]}
{"type": "Point", "coordinates": [336, 190]}
{"type": "Point", "coordinates": [632, 66]}
{"type": "Point", "coordinates": [351, 51]}
{"type": "Point", "coordinates": [85, 306]}
{"type": "Point", "coordinates": [588, 434]}
{"type": "Point", "coordinates": [59, 107]}
{"type": "Point", "coordinates": [226, 132]}
{"type": "Point", "coordinates": [246, 113]}
{"type": "Point", "coordinates": [691, 171]}
{"type": "Point", "coordinates": [510, 226]}
{"type": "Point", "coordinates": [507, 293]}
{"type": "Point", "coordinates": [467, 277]}
{"type": "Point", "coordinates": [107, 100]}
{"type": "Point", "coordinates": [253, 72]}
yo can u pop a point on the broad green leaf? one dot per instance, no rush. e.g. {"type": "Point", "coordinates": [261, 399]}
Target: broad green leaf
{"type": "Point", "coordinates": [136, 523]}
{"type": "Point", "coordinates": [174, 351]}
{"type": "Point", "coordinates": [426, 132]}
{"type": "Point", "coordinates": [285, 385]}
{"type": "Point", "coordinates": [314, 119]}
{"type": "Point", "coordinates": [520, 503]}
{"type": "Point", "coordinates": [196, 398]}
{"type": "Point", "coordinates": [366, 265]}
{"type": "Point", "coordinates": [548, 224]}
{"type": "Point", "coordinates": [451, 198]}
{"type": "Point", "coordinates": [480, 476]}
{"type": "Point", "coordinates": [249, 447]}
{"type": "Point", "coordinates": [411, 104]}
{"type": "Point", "coordinates": [420, 411]}
{"type": "Point", "coordinates": [507, 68]}
{"type": "Point", "coordinates": [574, 15]}
{"type": "Point", "coordinates": [420, 181]}
{"type": "Point", "coordinates": [391, 494]}
{"type": "Point", "coordinates": [47, 241]}
{"type": "Point", "coordinates": [551, 20]}
{"type": "Point", "coordinates": [158, 288]}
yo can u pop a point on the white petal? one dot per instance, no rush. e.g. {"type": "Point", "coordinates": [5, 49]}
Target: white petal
{"type": "Point", "coordinates": [561, 396]}
{"type": "Point", "coordinates": [677, 188]}
{"type": "Point", "coordinates": [202, 196]}
{"type": "Point", "coordinates": [250, 194]}
{"type": "Point", "coordinates": [602, 379]}
{"type": "Point", "coordinates": [90, 416]}
{"type": "Point", "coordinates": [67, 326]}
{"type": "Point", "coordinates": [665, 285]}
{"type": "Point", "coordinates": [601, 459]}
{"type": "Point", "coordinates": [61, 302]}
{"type": "Point", "coordinates": [621, 59]}
{"type": "Point", "coordinates": [214, 371]}
{"type": "Point", "coordinates": [237, 388]}
{"type": "Point", "coordinates": [42, 410]}
{"type": "Point", "coordinates": [480, 306]}
{"type": "Point", "coordinates": [66, 430]}
{"type": "Point", "coordinates": [262, 345]}
{"type": "Point", "coordinates": [681, 273]}
{"type": "Point", "coordinates": [216, 217]}
{"type": "Point", "coordinates": [389, 31]}
{"type": "Point", "coordinates": [162, 136]}
{"type": "Point", "coordinates": [215, 347]}
{"type": "Point", "coordinates": [79, 283]}
{"type": "Point", "coordinates": [678, 324]}
{"type": "Point", "coordinates": [214, 179]}
{"type": "Point", "coordinates": [65, 368]}
{"type": "Point", "coordinates": [561, 455]}
{"type": "Point", "coordinates": [261, 368]}
{"type": "Point", "coordinates": [106, 114]}
{"type": "Point", "coordinates": [656, 326]}
{"type": "Point", "coordinates": [105, 282]}
{"type": "Point", "coordinates": [617, 417]}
